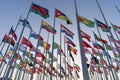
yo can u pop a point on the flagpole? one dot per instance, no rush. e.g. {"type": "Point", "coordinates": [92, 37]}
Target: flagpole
{"type": "Point", "coordinates": [11, 61]}
{"type": "Point", "coordinates": [107, 25]}
{"type": "Point", "coordinates": [117, 8]}
{"type": "Point", "coordinates": [52, 48]}
{"type": "Point", "coordinates": [82, 53]}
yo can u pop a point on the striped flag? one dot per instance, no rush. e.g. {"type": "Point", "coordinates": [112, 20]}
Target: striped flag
{"type": "Point", "coordinates": [48, 27]}
{"type": "Point", "coordinates": [67, 31]}
{"type": "Point", "coordinates": [87, 22]}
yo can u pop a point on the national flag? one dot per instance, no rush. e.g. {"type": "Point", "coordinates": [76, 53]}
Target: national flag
{"type": "Point", "coordinates": [7, 39]}
{"type": "Point", "coordinates": [108, 47]}
{"type": "Point", "coordinates": [97, 46]}
{"type": "Point", "coordinates": [85, 35]}
{"type": "Point", "coordinates": [49, 28]}
{"type": "Point", "coordinates": [44, 44]}
{"type": "Point", "coordinates": [40, 37]}
{"type": "Point", "coordinates": [50, 56]}
{"type": "Point", "coordinates": [86, 21]}
{"type": "Point", "coordinates": [68, 41]}
{"type": "Point", "coordinates": [87, 51]}
{"type": "Point", "coordinates": [72, 49]}
{"type": "Point", "coordinates": [12, 32]}
{"type": "Point", "coordinates": [26, 42]}
{"type": "Point", "coordinates": [85, 44]}
{"type": "Point", "coordinates": [34, 35]}
{"type": "Point", "coordinates": [102, 26]}
{"type": "Point", "coordinates": [116, 28]}
{"type": "Point", "coordinates": [22, 48]}
{"type": "Point", "coordinates": [55, 45]}
{"type": "Point", "coordinates": [62, 16]}
{"type": "Point", "coordinates": [67, 31]}
{"type": "Point", "coordinates": [99, 39]}
{"type": "Point", "coordinates": [25, 23]}
{"type": "Point", "coordinates": [40, 10]}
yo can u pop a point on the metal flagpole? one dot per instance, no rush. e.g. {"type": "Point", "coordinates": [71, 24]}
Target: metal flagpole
{"type": "Point", "coordinates": [52, 48]}
{"type": "Point", "coordinates": [82, 53]}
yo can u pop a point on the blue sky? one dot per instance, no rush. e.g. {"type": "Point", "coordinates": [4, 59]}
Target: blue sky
{"type": "Point", "coordinates": [12, 9]}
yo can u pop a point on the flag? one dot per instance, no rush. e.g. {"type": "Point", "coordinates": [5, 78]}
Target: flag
{"type": "Point", "coordinates": [102, 26]}
{"type": "Point", "coordinates": [40, 10]}
{"type": "Point", "coordinates": [26, 42]}
{"type": "Point", "coordinates": [68, 41]}
{"type": "Point", "coordinates": [108, 47]}
{"type": "Point", "coordinates": [48, 27]}
{"type": "Point", "coordinates": [115, 27]}
{"type": "Point", "coordinates": [40, 37]}
{"type": "Point", "coordinates": [85, 35]}
{"type": "Point", "coordinates": [99, 39]}
{"type": "Point", "coordinates": [34, 35]}
{"type": "Point", "coordinates": [24, 22]}
{"type": "Point", "coordinates": [87, 22]}
{"type": "Point", "coordinates": [72, 49]}
{"type": "Point", "coordinates": [55, 45]}
{"type": "Point", "coordinates": [62, 16]}
{"type": "Point", "coordinates": [12, 32]}
{"type": "Point", "coordinates": [44, 44]}
{"type": "Point", "coordinates": [87, 51]}
{"type": "Point", "coordinates": [67, 31]}
{"type": "Point", "coordinates": [97, 46]}
{"type": "Point", "coordinates": [85, 44]}
{"type": "Point", "coordinates": [7, 39]}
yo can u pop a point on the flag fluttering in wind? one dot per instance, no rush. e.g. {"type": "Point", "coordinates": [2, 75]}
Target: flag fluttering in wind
{"type": "Point", "coordinates": [62, 16]}
{"type": "Point", "coordinates": [40, 10]}
{"type": "Point", "coordinates": [104, 27]}
{"type": "Point", "coordinates": [44, 44]}
{"type": "Point", "coordinates": [116, 28]}
{"type": "Point", "coordinates": [12, 32]}
{"type": "Point", "coordinates": [85, 35]}
{"type": "Point", "coordinates": [99, 39]}
{"type": "Point", "coordinates": [85, 44]}
{"type": "Point", "coordinates": [67, 31]}
{"type": "Point", "coordinates": [72, 49]}
{"type": "Point", "coordinates": [7, 39]}
{"type": "Point", "coordinates": [25, 22]}
{"type": "Point", "coordinates": [68, 41]}
{"type": "Point", "coordinates": [97, 46]}
{"type": "Point", "coordinates": [48, 27]}
{"type": "Point", "coordinates": [27, 42]}
{"type": "Point", "coordinates": [87, 22]}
